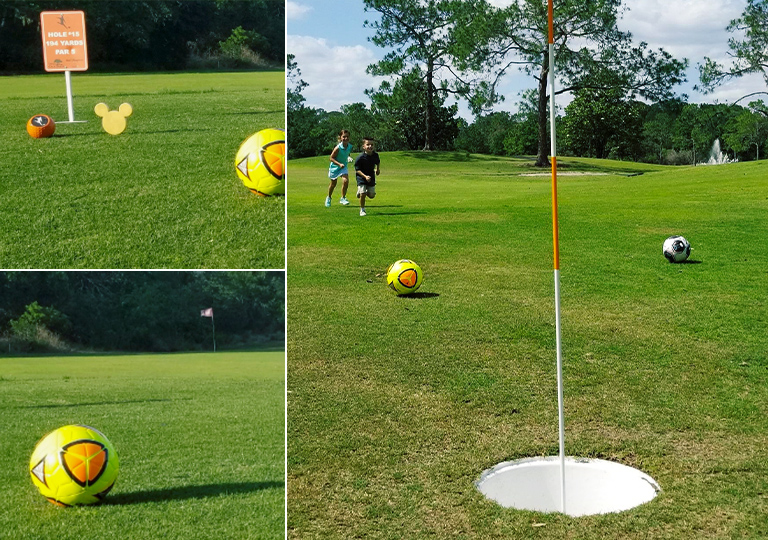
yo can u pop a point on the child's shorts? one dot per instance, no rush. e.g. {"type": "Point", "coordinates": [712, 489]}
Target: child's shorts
{"type": "Point", "coordinates": [369, 190]}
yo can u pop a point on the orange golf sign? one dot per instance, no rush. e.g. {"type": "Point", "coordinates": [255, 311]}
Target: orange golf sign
{"type": "Point", "coordinates": [64, 47]}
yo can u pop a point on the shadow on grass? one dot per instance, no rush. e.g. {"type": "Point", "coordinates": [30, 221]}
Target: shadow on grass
{"type": "Point", "coordinates": [420, 295]}
{"type": "Point", "coordinates": [127, 132]}
{"type": "Point", "coordinates": [451, 156]}
{"type": "Point", "coordinates": [251, 113]}
{"type": "Point", "coordinates": [394, 214]}
{"type": "Point", "coordinates": [189, 492]}
{"type": "Point", "coordinates": [689, 261]}
{"type": "Point", "coordinates": [98, 403]}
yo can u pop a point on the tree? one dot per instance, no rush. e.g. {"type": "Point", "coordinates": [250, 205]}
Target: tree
{"type": "Point", "coordinates": [698, 126]}
{"type": "Point", "coordinates": [420, 33]}
{"type": "Point", "coordinates": [361, 122]}
{"type": "Point", "coordinates": [748, 130]}
{"type": "Point", "coordinates": [150, 34]}
{"type": "Point", "coordinates": [598, 122]}
{"type": "Point", "coordinates": [750, 55]}
{"type": "Point", "coordinates": [304, 133]}
{"type": "Point", "coordinates": [487, 134]}
{"type": "Point", "coordinates": [658, 127]}
{"type": "Point", "coordinates": [141, 310]}
{"type": "Point", "coordinates": [400, 111]}
{"type": "Point", "coordinates": [590, 52]}
{"type": "Point", "coordinates": [294, 99]}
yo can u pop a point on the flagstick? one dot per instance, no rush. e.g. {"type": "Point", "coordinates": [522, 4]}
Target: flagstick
{"type": "Point", "coordinates": [556, 246]}
{"type": "Point", "coordinates": [213, 327]}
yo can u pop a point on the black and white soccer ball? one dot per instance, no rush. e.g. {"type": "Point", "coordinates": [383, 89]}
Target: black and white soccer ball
{"type": "Point", "coordinates": [676, 249]}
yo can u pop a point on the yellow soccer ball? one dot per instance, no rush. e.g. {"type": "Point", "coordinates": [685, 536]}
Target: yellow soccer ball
{"type": "Point", "coordinates": [404, 276]}
{"type": "Point", "coordinates": [74, 465]}
{"type": "Point", "coordinates": [260, 162]}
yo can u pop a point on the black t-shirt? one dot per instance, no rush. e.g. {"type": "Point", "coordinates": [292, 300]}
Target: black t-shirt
{"type": "Point", "coordinates": [367, 165]}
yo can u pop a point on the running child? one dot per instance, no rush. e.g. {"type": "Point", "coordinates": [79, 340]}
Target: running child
{"type": "Point", "coordinates": [338, 168]}
{"type": "Point", "coordinates": [366, 169]}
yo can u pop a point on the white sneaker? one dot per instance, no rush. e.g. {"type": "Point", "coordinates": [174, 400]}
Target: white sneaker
{"type": "Point", "coordinates": [362, 211]}
{"type": "Point", "coordinates": [327, 202]}
{"type": "Point", "coordinates": [343, 201]}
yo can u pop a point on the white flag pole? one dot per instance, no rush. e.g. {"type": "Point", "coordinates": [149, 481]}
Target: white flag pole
{"type": "Point", "coordinates": [213, 327]}
{"type": "Point", "coordinates": [556, 247]}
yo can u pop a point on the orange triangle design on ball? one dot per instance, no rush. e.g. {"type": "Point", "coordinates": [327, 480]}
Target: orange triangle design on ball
{"type": "Point", "coordinates": [408, 278]}
{"type": "Point", "coordinates": [273, 157]}
{"type": "Point", "coordinates": [84, 461]}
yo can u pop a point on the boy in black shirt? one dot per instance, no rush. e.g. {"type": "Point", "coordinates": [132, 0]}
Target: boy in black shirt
{"type": "Point", "coordinates": [366, 169]}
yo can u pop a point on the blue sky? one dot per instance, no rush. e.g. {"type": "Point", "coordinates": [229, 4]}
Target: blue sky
{"type": "Point", "coordinates": [332, 50]}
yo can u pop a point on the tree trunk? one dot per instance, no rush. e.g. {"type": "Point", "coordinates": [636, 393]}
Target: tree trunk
{"type": "Point", "coordinates": [430, 105]}
{"type": "Point", "coordinates": [541, 158]}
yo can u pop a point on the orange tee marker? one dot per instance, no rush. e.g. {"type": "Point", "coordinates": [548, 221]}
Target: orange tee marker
{"type": "Point", "coordinates": [64, 46]}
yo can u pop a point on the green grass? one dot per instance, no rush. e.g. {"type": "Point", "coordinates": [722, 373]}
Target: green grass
{"type": "Point", "coordinates": [163, 194]}
{"type": "Point", "coordinates": [200, 437]}
{"type": "Point", "coordinates": [396, 405]}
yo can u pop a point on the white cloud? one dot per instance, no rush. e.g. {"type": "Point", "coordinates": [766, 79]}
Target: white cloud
{"type": "Point", "coordinates": [335, 74]}
{"type": "Point", "coordinates": [295, 10]}
{"type": "Point", "coordinates": [686, 28]}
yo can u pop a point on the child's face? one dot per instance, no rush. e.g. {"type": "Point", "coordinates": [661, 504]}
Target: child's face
{"type": "Point", "coordinates": [345, 138]}
{"type": "Point", "coordinates": [368, 147]}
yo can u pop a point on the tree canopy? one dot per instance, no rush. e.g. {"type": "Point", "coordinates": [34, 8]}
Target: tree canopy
{"type": "Point", "coordinates": [152, 35]}
{"type": "Point", "coordinates": [140, 311]}
{"type": "Point", "coordinates": [590, 52]}
{"type": "Point", "coordinates": [422, 40]}
{"type": "Point", "coordinates": [749, 55]}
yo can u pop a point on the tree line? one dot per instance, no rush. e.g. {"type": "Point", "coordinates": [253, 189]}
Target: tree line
{"type": "Point", "coordinates": [127, 35]}
{"type": "Point", "coordinates": [139, 311]}
{"type": "Point", "coordinates": [623, 102]}
{"type": "Point", "coordinates": [596, 123]}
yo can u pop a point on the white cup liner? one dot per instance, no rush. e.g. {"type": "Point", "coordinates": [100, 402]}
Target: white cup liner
{"type": "Point", "coordinates": [592, 486]}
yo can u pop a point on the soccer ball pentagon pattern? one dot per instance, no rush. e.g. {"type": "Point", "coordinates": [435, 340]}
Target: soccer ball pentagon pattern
{"type": "Point", "coordinates": [676, 249]}
{"type": "Point", "coordinates": [74, 465]}
{"type": "Point", "coordinates": [260, 162]}
{"type": "Point", "coordinates": [404, 276]}
{"type": "Point", "coordinates": [40, 126]}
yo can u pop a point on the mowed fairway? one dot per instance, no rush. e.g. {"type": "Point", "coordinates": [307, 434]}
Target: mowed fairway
{"type": "Point", "coordinates": [396, 405]}
{"type": "Point", "coordinates": [163, 194]}
{"type": "Point", "coordinates": [200, 438]}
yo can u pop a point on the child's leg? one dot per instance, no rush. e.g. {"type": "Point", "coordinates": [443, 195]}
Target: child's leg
{"type": "Point", "coordinates": [344, 185]}
{"type": "Point", "coordinates": [331, 187]}
{"type": "Point", "coordinates": [362, 201]}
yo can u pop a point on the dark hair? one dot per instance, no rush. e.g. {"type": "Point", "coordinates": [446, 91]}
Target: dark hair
{"type": "Point", "coordinates": [369, 139]}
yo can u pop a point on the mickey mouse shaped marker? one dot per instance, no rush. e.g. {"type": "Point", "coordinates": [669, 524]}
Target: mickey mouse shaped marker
{"type": "Point", "coordinates": [113, 122]}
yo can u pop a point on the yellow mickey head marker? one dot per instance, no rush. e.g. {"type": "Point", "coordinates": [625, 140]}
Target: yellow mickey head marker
{"type": "Point", "coordinates": [113, 122]}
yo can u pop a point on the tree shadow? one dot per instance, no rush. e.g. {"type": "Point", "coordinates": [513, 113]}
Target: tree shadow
{"type": "Point", "coordinates": [438, 155]}
{"type": "Point", "coordinates": [182, 493]}
{"type": "Point", "coordinates": [97, 403]}
{"type": "Point", "coordinates": [250, 113]}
